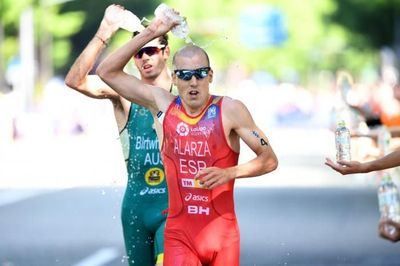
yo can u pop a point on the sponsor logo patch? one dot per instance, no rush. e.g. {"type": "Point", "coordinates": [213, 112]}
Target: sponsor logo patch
{"type": "Point", "coordinates": [193, 197]}
{"type": "Point", "coordinates": [154, 176]}
{"type": "Point", "coordinates": [191, 183]}
{"type": "Point", "coordinates": [200, 210]}
{"type": "Point", "coordinates": [152, 191]}
{"type": "Point", "coordinates": [182, 129]}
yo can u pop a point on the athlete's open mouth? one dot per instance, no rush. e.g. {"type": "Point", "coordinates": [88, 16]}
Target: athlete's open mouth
{"type": "Point", "coordinates": [147, 66]}
{"type": "Point", "coordinates": [193, 92]}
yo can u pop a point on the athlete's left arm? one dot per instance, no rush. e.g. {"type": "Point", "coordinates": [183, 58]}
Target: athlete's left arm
{"type": "Point", "coordinates": [240, 124]}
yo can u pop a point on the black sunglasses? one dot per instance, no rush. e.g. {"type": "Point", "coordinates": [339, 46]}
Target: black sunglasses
{"type": "Point", "coordinates": [149, 50]}
{"type": "Point", "coordinates": [187, 74]}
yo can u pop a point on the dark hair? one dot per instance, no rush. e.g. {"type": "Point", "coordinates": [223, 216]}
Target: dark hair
{"type": "Point", "coordinates": [162, 39]}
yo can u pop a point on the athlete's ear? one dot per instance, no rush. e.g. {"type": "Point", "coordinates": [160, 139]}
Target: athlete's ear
{"type": "Point", "coordinates": [210, 76]}
{"type": "Point", "coordinates": [167, 52]}
{"type": "Point", "coordinates": [174, 79]}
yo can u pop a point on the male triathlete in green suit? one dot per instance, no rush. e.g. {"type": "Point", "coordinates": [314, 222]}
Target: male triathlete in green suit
{"type": "Point", "coordinates": [145, 200]}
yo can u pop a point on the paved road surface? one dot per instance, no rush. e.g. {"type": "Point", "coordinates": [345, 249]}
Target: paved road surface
{"type": "Point", "coordinates": [279, 226]}
{"type": "Point", "coordinates": [60, 205]}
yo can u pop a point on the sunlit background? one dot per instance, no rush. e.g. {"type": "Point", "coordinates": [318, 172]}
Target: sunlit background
{"type": "Point", "coordinates": [295, 64]}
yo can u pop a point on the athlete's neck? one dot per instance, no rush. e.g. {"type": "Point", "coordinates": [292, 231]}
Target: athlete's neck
{"type": "Point", "coordinates": [163, 80]}
{"type": "Point", "coordinates": [195, 111]}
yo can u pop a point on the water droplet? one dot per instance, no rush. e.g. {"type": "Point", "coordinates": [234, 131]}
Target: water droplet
{"type": "Point", "coordinates": [124, 258]}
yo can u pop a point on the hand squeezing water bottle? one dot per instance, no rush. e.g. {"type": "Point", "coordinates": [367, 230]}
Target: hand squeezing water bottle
{"type": "Point", "coordinates": [181, 30]}
{"type": "Point", "coordinates": [120, 17]}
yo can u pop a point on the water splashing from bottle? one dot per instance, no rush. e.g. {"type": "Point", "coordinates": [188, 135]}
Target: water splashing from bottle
{"type": "Point", "coordinates": [211, 43]}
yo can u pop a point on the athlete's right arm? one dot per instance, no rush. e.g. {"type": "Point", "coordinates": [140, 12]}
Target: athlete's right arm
{"type": "Point", "coordinates": [128, 86]}
{"type": "Point", "coordinates": [77, 77]}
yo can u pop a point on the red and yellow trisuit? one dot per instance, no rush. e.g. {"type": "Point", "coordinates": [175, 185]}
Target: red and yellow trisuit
{"type": "Point", "coordinates": [201, 226]}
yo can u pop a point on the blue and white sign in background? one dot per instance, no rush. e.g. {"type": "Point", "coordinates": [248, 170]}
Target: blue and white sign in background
{"type": "Point", "coordinates": [262, 26]}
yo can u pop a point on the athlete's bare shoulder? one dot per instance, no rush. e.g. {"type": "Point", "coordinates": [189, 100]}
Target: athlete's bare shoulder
{"type": "Point", "coordinates": [163, 99]}
{"type": "Point", "coordinates": [235, 113]}
{"type": "Point", "coordinates": [231, 106]}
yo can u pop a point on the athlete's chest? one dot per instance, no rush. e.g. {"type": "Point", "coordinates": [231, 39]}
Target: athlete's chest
{"type": "Point", "coordinates": [142, 134]}
{"type": "Point", "coordinates": [203, 126]}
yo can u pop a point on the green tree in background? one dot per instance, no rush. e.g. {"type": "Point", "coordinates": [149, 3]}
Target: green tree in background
{"type": "Point", "coordinates": [51, 32]}
{"type": "Point", "coordinates": [62, 29]}
{"type": "Point", "coordinates": [312, 43]}
{"type": "Point", "coordinates": [321, 34]}
{"type": "Point", "coordinates": [373, 23]}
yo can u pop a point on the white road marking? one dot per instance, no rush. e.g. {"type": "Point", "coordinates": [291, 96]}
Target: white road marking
{"type": "Point", "coordinates": [100, 257]}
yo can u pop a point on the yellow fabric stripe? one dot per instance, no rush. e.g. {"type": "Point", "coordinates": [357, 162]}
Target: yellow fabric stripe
{"type": "Point", "coordinates": [160, 258]}
{"type": "Point", "coordinates": [189, 120]}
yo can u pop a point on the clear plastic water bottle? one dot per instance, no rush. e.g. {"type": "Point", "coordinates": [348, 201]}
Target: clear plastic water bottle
{"type": "Point", "coordinates": [389, 201]}
{"type": "Point", "coordinates": [342, 140]}
{"type": "Point", "coordinates": [130, 22]}
{"type": "Point", "coordinates": [182, 29]}
{"type": "Point", "coordinates": [384, 140]}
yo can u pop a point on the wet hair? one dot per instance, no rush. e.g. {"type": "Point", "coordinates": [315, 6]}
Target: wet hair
{"type": "Point", "coordinates": [189, 51]}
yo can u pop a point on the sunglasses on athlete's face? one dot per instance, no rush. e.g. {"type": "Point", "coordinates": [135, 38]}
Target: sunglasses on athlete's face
{"type": "Point", "coordinates": [187, 74]}
{"type": "Point", "coordinates": [149, 50]}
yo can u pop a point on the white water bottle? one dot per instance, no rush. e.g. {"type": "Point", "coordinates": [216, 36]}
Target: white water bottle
{"type": "Point", "coordinates": [182, 29]}
{"type": "Point", "coordinates": [124, 18]}
{"type": "Point", "coordinates": [342, 140]}
{"type": "Point", "coordinates": [389, 201]}
{"type": "Point", "coordinates": [130, 22]}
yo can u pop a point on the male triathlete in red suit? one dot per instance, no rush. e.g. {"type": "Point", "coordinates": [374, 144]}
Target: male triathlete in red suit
{"type": "Point", "coordinates": [200, 135]}
{"type": "Point", "coordinates": [201, 222]}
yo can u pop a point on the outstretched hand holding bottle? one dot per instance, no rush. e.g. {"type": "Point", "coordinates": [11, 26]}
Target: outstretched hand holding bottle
{"type": "Point", "coordinates": [347, 167]}
{"type": "Point", "coordinates": [353, 167]}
